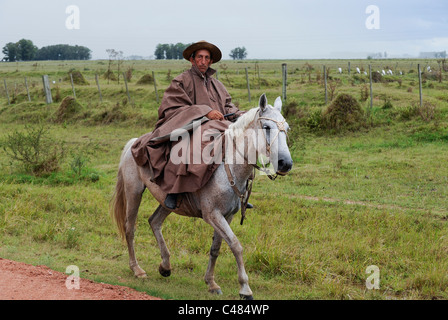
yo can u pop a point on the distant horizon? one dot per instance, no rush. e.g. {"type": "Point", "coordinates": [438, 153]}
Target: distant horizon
{"type": "Point", "coordinates": [281, 29]}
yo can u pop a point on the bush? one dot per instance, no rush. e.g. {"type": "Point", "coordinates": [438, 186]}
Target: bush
{"type": "Point", "coordinates": [377, 77]}
{"type": "Point", "coordinates": [109, 75]}
{"type": "Point", "coordinates": [344, 113]}
{"type": "Point", "coordinates": [34, 150]}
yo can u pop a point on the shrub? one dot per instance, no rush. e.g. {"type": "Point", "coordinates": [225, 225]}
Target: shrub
{"type": "Point", "coordinates": [344, 113]}
{"type": "Point", "coordinates": [377, 77]}
{"type": "Point", "coordinates": [34, 150]}
{"type": "Point", "coordinates": [290, 109]}
{"type": "Point", "coordinates": [364, 93]}
{"type": "Point", "coordinates": [387, 103]}
{"type": "Point", "coordinates": [314, 121]}
{"type": "Point", "coordinates": [427, 112]}
{"type": "Point", "coordinates": [109, 75]}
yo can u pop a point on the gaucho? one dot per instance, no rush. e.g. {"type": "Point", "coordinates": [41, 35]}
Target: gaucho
{"type": "Point", "coordinates": [193, 95]}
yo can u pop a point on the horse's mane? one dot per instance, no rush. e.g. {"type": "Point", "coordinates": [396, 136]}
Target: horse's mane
{"type": "Point", "coordinates": [237, 128]}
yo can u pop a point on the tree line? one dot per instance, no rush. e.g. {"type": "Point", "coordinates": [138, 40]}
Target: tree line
{"type": "Point", "coordinates": [174, 51]}
{"type": "Point", "coordinates": [170, 51]}
{"type": "Point", "coordinates": [25, 50]}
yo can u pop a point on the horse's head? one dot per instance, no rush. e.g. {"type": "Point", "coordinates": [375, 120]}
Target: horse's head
{"type": "Point", "coordinates": [274, 129]}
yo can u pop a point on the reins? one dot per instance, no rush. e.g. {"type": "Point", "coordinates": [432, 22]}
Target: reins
{"type": "Point", "coordinates": [244, 196]}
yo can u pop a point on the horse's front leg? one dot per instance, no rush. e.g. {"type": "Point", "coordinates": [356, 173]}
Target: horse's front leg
{"type": "Point", "coordinates": [223, 230]}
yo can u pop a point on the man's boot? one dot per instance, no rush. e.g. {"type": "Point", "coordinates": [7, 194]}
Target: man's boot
{"type": "Point", "coordinates": [171, 201]}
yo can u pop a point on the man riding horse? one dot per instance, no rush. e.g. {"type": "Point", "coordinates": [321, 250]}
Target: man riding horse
{"type": "Point", "coordinates": [192, 95]}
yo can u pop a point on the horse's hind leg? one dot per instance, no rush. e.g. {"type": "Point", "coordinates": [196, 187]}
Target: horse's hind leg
{"type": "Point", "coordinates": [156, 221]}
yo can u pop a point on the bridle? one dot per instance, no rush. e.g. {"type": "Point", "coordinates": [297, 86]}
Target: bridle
{"type": "Point", "coordinates": [244, 196]}
{"type": "Point", "coordinates": [281, 128]}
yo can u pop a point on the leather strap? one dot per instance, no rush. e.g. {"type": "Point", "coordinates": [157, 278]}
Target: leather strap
{"type": "Point", "coordinates": [244, 197]}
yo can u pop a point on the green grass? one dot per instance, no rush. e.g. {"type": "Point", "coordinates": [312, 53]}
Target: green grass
{"type": "Point", "coordinates": [353, 199]}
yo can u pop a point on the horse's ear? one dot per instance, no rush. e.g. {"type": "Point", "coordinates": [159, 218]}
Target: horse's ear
{"type": "Point", "coordinates": [263, 102]}
{"type": "Point", "coordinates": [278, 104]}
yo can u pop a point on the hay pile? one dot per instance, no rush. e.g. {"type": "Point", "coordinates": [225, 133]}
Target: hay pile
{"type": "Point", "coordinates": [146, 79]}
{"type": "Point", "coordinates": [78, 78]}
{"type": "Point", "coordinates": [344, 113]}
{"type": "Point", "coordinates": [68, 110]}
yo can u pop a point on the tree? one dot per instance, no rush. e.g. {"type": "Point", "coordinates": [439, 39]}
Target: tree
{"type": "Point", "coordinates": [23, 50]}
{"type": "Point", "coordinates": [160, 52]}
{"type": "Point", "coordinates": [63, 52]}
{"type": "Point", "coordinates": [26, 50]}
{"type": "Point", "coordinates": [170, 51]}
{"type": "Point", "coordinates": [10, 52]}
{"type": "Point", "coordinates": [238, 53]}
{"type": "Point", "coordinates": [109, 75]}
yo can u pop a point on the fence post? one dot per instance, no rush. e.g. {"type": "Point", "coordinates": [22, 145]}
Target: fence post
{"type": "Point", "coordinates": [155, 87]}
{"type": "Point", "coordinates": [371, 94]}
{"type": "Point", "coordinates": [27, 90]}
{"type": "Point", "coordinates": [284, 80]}
{"type": "Point", "coordinates": [6, 90]}
{"type": "Point", "coordinates": [73, 86]}
{"type": "Point", "coordinates": [420, 85]}
{"type": "Point", "coordinates": [248, 85]}
{"type": "Point", "coordinates": [47, 89]}
{"type": "Point", "coordinates": [127, 90]}
{"type": "Point", "coordinates": [99, 89]}
{"type": "Point", "coordinates": [349, 68]}
{"type": "Point", "coordinates": [325, 84]}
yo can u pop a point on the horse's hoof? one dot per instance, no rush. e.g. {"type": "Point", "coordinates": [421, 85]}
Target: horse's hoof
{"type": "Point", "coordinates": [216, 291]}
{"type": "Point", "coordinates": [139, 272]}
{"type": "Point", "coordinates": [164, 272]}
{"type": "Point", "coordinates": [246, 297]}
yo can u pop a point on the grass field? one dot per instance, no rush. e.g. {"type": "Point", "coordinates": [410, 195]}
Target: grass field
{"type": "Point", "coordinates": [373, 195]}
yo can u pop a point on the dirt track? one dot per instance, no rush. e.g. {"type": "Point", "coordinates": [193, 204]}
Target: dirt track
{"type": "Point", "coordinates": [20, 281]}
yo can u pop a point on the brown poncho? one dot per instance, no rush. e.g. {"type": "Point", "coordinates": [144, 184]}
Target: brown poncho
{"type": "Point", "coordinates": [190, 96]}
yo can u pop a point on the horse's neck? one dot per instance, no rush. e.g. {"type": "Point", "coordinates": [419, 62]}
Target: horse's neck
{"type": "Point", "coordinates": [240, 174]}
{"type": "Point", "coordinates": [241, 170]}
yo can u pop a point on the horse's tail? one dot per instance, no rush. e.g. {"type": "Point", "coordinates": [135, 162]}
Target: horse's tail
{"type": "Point", "coordinates": [118, 210]}
{"type": "Point", "coordinates": [118, 202]}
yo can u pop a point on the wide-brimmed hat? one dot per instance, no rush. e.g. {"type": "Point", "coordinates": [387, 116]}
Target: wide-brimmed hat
{"type": "Point", "coordinates": [214, 50]}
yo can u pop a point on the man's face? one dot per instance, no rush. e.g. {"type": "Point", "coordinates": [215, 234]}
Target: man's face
{"type": "Point", "coordinates": [202, 60]}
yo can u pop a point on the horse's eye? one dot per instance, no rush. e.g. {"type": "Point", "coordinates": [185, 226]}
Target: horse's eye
{"type": "Point", "coordinates": [266, 127]}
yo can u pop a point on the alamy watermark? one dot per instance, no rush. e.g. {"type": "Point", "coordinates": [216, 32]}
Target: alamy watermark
{"type": "Point", "coordinates": [373, 281]}
{"type": "Point", "coordinates": [373, 20]}
{"type": "Point", "coordinates": [73, 21]}
{"type": "Point", "coordinates": [72, 281]}
{"type": "Point", "coordinates": [211, 146]}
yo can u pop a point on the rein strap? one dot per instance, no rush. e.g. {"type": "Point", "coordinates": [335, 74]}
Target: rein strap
{"type": "Point", "coordinates": [244, 197]}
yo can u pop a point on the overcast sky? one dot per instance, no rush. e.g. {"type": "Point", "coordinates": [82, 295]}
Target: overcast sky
{"type": "Point", "coordinates": [269, 29]}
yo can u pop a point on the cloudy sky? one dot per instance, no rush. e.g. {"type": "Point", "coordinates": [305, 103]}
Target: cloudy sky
{"type": "Point", "coordinates": [269, 29]}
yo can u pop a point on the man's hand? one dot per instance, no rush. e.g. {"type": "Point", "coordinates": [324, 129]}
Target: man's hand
{"type": "Point", "coordinates": [215, 115]}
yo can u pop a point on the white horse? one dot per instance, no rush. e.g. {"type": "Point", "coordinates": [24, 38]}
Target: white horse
{"type": "Point", "coordinates": [217, 202]}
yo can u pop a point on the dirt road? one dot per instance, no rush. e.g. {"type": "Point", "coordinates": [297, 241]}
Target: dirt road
{"type": "Point", "coordinates": [20, 281]}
